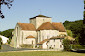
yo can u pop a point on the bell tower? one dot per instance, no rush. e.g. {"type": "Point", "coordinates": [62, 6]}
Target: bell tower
{"type": "Point", "coordinates": [37, 21]}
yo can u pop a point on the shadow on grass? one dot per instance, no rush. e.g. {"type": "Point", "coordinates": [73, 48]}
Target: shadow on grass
{"type": "Point", "coordinates": [79, 51]}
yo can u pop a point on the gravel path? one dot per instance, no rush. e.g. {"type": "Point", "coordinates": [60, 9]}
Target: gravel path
{"type": "Point", "coordinates": [7, 48]}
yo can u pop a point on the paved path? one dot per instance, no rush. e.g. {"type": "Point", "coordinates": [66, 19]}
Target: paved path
{"type": "Point", "coordinates": [7, 48]}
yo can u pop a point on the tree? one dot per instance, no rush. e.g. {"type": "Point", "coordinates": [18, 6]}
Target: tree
{"type": "Point", "coordinates": [82, 38]}
{"type": "Point", "coordinates": [75, 27]}
{"type": "Point", "coordinates": [7, 33]}
{"type": "Point", "coordinates": [78, 30]}
{"type": "Point", "coordinates": [5, 2]}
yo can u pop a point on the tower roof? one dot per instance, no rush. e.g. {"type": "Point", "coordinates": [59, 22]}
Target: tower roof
{"type": "Point", "coordinates": [40, 16]}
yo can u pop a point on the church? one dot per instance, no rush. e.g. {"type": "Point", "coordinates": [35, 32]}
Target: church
{"type": "Point", "coordinates": [41, 32]}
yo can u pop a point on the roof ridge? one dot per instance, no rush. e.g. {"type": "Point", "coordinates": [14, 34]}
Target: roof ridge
{"type": "Point", "coordinates": [46, 26]}
{"type": "Point", "coordinates": [40, 16]}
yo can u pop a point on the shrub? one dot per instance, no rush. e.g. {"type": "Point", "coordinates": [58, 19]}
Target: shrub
{"type": "Point", "coordinates": [26, 46]}
{"type": "Point", "coordinates": [40, 46]}
{"type": "Point", "coordinates": [78, 46]}
{"type": "Point", "coordinates": [67, 46]}
{"type": "Point", "coordinates": [9, 41]}
{"type": "Point", "coordinates": [69, 33]}
{"type": "Point", "coordinates": [49, 47]}
{"type": "Point", "coordinates": [0, 42]}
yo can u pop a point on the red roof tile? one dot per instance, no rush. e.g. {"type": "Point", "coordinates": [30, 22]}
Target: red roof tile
{"type": "Point", "coordinates": [27, 26]}
{"type": "Point", "coordinates": [43, 41]}
{"type": "Point", "coordinates": [59, 26]}
{"type": "Point", "coordinates": [30, 37]}
{"type": "Point", "coordinates": [57, 37]}
{"type": "Point", "coordinates": [46, 26]}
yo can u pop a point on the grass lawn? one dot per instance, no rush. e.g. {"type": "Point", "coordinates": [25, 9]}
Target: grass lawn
{"type": "Point", "coordinates": [41, 53]}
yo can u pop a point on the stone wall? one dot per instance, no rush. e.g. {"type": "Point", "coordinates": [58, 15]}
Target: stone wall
{"type": "Point", "coordinates": [51, 44]}
{"type": "Point", "coordinates": [26, 34]}
{"type": "Point", "coordinates": [55, 44]}
{"type": "Point", "coordinates": [39, 21]}
{"type": "Point", "coordinates": [46, 34]}
{"type": "Point", "coordinates": [16, 36]}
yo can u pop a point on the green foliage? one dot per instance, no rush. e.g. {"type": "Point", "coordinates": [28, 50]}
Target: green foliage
{"type": "Point", "coordinates": [75, 27]}
{"type": "Point", "coordinates": [78, 46]}
{"type": "Point", "coordinates": [0, 42]}
{"type": "Point", "coordinates": [7, 33]}
{"type": "Point", "coordinates": [67, 46]}
{"type": "Point", "coordinates": [26, 46]}
{"type": "Point", "coordinates": [9, 41]}
{"type": "Point", "coordinates": [69, 33]}
{"type": "Point", "coordinates": [77, 40]}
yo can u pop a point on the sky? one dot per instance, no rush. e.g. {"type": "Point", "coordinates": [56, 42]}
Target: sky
{"type": "Point", "coordinates": [59, 10]}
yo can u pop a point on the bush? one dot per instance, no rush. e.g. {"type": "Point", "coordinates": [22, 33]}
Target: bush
{"type": "Point", "coordinates": [69, 33]}
{"type": "Point", "coordinates": [0, 42]}
{"type": "Point", "coordinates": [26, 46]}
{"type": "Point", "coordinates": [67, 46]}
{"type": "Point", "coordinates": [40, 46]}
{"type": "Point", "coordinates": [78, 46]}
{"type": "Point", "coordinates": [9, 41]}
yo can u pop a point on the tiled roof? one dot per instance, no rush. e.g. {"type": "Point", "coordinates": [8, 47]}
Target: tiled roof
{"type": "Point", "coordinates": [59, 26]}
{"type": "Point", "coordinates": [27, 26]}
{"type": "Point", "coordinates": [40, 16]}
{"type": "Point", "coordinates": [57, 37]}
{"type": "Point", "coordinates": [46, 26]}
{"type": "Point", "coordinates": [69, 38]}
{"type": "Point", "coordinates": [52, 26]}
{"type": "Point", "coordinates": [43, 41]}
{"type": "Point", "coordinates": [30, 37]}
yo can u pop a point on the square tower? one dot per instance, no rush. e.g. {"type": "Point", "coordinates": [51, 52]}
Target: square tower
{"type": "Point", "coordinates": [37, 21]}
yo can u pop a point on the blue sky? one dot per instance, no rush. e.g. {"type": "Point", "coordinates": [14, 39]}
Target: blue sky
{"type": "Point", "coordinates": [59, 10]}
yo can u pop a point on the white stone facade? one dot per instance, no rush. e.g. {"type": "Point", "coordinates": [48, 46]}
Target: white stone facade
{"type": "Point", "coordinates": [39, 21]}
{"type": "Point", "coordinates": [19, 35]}
{"type": "Point", "coordinates": [46, 34]}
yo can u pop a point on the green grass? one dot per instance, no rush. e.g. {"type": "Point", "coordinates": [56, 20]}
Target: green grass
{"type": "Point", "coordinates": [41, 53]}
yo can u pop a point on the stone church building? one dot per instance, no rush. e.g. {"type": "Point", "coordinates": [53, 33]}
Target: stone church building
{"type": "Point", "coordinates": [40, 32]}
